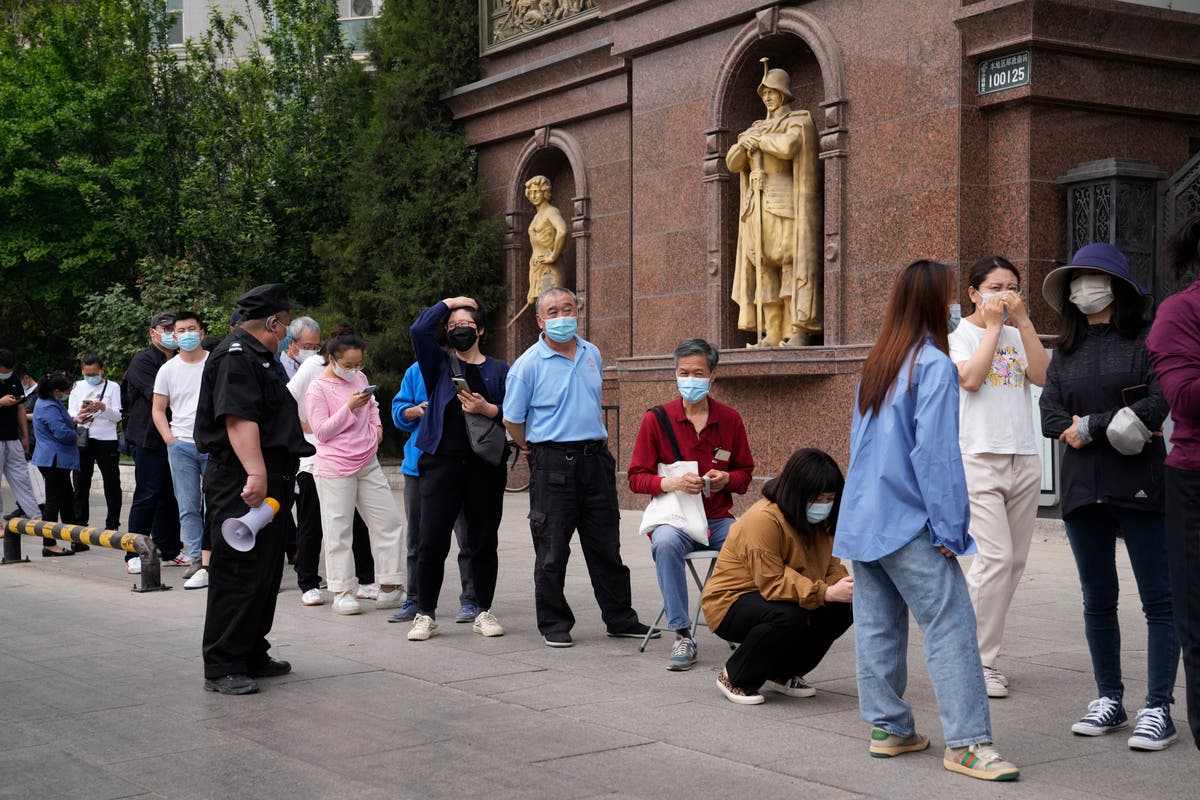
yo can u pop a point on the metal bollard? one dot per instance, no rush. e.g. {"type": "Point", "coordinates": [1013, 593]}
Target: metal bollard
{"type": "Point", "coordinates": [143, 546]}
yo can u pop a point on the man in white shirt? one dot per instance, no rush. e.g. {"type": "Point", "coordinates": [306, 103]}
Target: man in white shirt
{"type": "Point", "coordinates": [304, 336]}
{"type": "Point", "coordinates": [177, 390]}
{"type": "Point", "coordinates": [95, 403]}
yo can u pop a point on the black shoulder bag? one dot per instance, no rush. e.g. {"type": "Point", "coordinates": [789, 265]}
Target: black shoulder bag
{"type": "Point", "coordinates": [486, 437]}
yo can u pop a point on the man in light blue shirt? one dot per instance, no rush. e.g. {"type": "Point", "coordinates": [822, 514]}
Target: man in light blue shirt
{"type": "Point", "coordinates": [552, 411]}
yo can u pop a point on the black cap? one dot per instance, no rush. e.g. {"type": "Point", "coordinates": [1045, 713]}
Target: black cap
{"type": "Point", "coordinates": [263, 301]}
{"type": "Point", "coordinates": [162, 319]}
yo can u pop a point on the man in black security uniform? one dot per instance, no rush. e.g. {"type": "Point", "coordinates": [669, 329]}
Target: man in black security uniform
{"type": "Point", "coordinates": [246, 420]}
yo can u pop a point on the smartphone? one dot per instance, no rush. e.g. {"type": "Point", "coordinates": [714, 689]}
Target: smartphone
{"type": "Point", "coordinates": [1131, 394]}
{"type": "Point", "coordinates": [368, 389]}
{"type": "Point", "coordinates": [461, 385]}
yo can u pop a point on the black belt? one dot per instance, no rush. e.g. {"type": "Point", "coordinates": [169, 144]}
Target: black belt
{"type": "Point", "coordinates": [587, 448]}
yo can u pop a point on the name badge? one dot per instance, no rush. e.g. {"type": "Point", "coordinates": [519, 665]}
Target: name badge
{"type": "Point", "coordinates": [721, 454]}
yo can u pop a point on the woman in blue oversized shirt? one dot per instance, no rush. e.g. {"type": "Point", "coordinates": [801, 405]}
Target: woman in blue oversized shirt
{"type": "Point", "coordinates": [904, 519]}
{"type": "Point", "coordinates": [56, 453]}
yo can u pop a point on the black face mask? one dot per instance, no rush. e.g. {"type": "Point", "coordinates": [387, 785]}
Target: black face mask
{"type": "Point", "coordinates": [462, 339]}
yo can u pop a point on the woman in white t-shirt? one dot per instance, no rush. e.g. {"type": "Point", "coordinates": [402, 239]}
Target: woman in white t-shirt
{"type": "Point", "coordinates": [998, 355]}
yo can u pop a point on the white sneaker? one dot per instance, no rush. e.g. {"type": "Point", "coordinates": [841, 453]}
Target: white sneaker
{"type": "Point", "coordinates": [134, 565]}
{"type": "Point", "coordinates": [199, 579]}
{"type": "Point", "coordinates": [997, 684]}
{"type": "Point", "coordinates": [393, 599]}
{"type": "Point", "coordinates": [345, 604]}
{"type": "Point", "coordinates": [486, 625]}
{"type": "Point", "coordinates": [368, 592]}
{"type": "Point", "coordinates": [423, 627]}
{"type": "Point", "coordinates": [795, 686]}
{"type": "Point", "coordinates": [312, 598]}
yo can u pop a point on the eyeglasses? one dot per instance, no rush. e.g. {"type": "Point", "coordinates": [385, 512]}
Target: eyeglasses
{"type": "Point", "coordinates": [467, 324]}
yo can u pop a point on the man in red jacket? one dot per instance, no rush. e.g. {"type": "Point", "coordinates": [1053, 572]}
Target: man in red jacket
{"type": "Point", "coordinates": [711, 434]}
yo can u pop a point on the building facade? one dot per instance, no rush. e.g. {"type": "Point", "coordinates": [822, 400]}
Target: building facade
{"type": "Point", "coordinates": [629, 106]}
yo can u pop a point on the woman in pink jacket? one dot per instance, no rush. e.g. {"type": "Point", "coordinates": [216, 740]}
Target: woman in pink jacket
{"type": "Point", "coordinates": [344, 416]}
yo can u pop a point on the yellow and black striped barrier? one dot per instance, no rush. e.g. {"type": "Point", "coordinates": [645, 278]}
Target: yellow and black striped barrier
{"type": "Point", "coordinates": [143, 546]}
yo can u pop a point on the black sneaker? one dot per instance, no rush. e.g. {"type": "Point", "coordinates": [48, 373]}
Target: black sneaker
{"type": "Point", "coordinates": [271, 668]}
{"type": "Point", "coordinates": [231, 684]}
{"type": "Point", "coordinates": [637, 630]}
{"type": "Point", "coordinates": [558, 639]}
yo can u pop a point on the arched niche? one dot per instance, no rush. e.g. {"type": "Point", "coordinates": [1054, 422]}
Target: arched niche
{"type": "Point", "coordinates": [802, 44]}
{"type": "Point", "coordinates": [556, 155]}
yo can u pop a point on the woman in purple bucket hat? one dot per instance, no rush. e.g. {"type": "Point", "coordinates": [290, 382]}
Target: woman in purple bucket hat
{"type": "Point", "coordinates": [1103, 401]}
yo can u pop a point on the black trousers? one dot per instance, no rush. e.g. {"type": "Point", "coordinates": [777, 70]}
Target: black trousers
{"type": "Point", "coordinates": [412, 512]}
{"type": "Point", "coordinates": [1183, 560]}
{"type": "Point", "coordinates": [242, 587]}
{"type": "Point", "coordinates": [60, 497]}
{"type": "Point", "coordinates": [778, 639]}
{"type": "Point", "coordinates": [154, 510]}
{"type": "Point", "coordinates": [100, 453]}
{"type": "Point", "coordinates": [451, 484]}
{"type": "Point", "coordinates": [309, 535]}
{"type": "Point", "coordinates": [575, 489]}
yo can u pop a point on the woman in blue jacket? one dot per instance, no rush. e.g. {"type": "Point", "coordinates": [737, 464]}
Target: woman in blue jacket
{"type": "Point", "coordinates": [453, 477]}
{"type": "Point", "coordinates": [903, 520]}
{"type": "Point", "coordinates": [56, 452]}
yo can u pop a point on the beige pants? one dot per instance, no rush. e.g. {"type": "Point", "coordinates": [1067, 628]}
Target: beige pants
{"type": "Point", "coordinates": [368, 490]}
{"type": "Point", "coordinates": [1004, 494]}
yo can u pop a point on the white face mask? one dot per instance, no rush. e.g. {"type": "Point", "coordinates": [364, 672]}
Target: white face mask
{"type": "Point", "coordinates": [343, 373]}
{"type": "Point", "coordinates": [1091, 293]}
{"type": "Point", "coordinates": [304, 354]}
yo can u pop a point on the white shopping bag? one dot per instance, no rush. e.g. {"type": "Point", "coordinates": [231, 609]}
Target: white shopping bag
{"type": "Point", "coordinates": [677, 509]}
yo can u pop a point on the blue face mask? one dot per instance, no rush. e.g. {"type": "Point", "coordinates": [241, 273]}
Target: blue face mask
{"type": "Point", "coordinates": [817, 512]}
{"type": "Point", "coordinates": [168, 341]}
{"type": "Point", "coordinates": [189, 341]}
{"type": "Point", "coordinates": [93, 380]}
{"type": "Point", "coordinates": [562, 329]}
{"type": "Point", "coordinates": [5, 376]}
{"type": "Point", "coordinates": [692, 389]}
{"type": "Point", "coordinates": [955, 316]}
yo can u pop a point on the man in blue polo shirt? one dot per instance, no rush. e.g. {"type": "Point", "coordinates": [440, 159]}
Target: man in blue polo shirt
{"type": "Point", "coordinates": [552, 411]}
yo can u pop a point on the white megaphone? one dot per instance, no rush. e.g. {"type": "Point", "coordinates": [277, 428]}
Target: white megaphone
{"type": "Point", "coordinates": [239, 532]}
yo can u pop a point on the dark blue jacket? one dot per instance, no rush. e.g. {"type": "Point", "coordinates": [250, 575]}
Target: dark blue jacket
{"type": "Point", "coordinates": [435, 369]}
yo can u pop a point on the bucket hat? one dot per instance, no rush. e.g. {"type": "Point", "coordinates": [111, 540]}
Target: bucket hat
{"type": "Point", "coordinates": [1099, 256]}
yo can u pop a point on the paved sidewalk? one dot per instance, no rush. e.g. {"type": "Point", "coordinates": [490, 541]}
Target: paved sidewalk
{"type": "Point", "coordinates": [101, 697]}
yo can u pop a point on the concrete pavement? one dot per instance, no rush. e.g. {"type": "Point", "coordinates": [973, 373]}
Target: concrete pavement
{"type": "Point", "coordinates": [101, 697]}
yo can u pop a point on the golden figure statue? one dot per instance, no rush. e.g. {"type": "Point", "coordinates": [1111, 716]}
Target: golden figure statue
{"type": "Point", "coordinates": [777, 275]}
{"type": "Point", "coordinates": [547, 237]}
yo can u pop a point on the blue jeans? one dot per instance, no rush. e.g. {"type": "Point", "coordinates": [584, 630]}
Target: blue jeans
{"type": "Point", "coordinates": [187, 470]}
{"type": "Point", "coordinates": [669, 545]}
{"type": "Point", "coordinates": [920, 578]}
{"type": "Point", "coordinates": [1093, 532]}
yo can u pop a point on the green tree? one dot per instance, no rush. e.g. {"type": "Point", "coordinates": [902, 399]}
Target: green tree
{"type": "Point", "coordinates": [78, 158]}
{"type": "Point", "coordinates": [415, 233]}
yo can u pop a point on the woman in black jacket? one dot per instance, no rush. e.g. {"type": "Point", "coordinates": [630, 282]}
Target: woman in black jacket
{"type": "Point", "coordinates": [1101, 398]}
